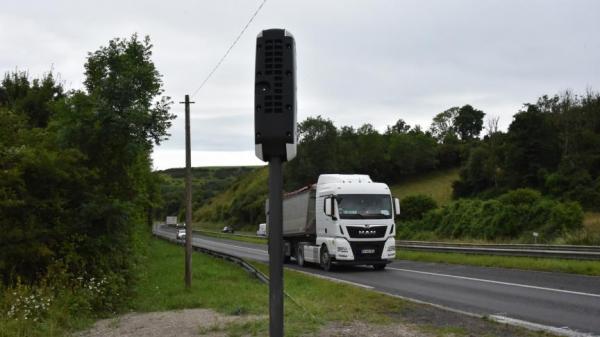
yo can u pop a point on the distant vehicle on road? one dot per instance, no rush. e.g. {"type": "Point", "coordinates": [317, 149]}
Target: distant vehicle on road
{"type": "Point", "coordinates": [343, 219]}
{"type": "Point", "coordinates": [227, 229]}
{"type": "Point", "coordinates": [262, 230]}
{"type": "Point", "coordinates": [171, 221]}
{"type": "Point", "coordinates": [180, 234]}
{"type": "Point", "coordinates": [180, 225]}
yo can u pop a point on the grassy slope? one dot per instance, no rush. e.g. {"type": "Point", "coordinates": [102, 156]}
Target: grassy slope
{"type": "Point", "coordinates": [249, 191]}
{"type": "Point", "coordinates": [206, 183]}
{"type": "Point", "coordinates": [437, 185]}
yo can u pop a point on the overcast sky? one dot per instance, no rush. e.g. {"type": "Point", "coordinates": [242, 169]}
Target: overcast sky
{"type": "Point", "coordinates": [357, 61]}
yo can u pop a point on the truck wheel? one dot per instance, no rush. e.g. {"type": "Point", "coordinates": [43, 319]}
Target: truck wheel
{"type": "Point", "coordinates": [300, 255]}
{"type": "Point", "coordinates": [380, 266]}
{"type": "Point", "coordinates": [325, 258]}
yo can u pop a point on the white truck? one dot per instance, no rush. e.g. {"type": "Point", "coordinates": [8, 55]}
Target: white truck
{"type": "Point", "coordinates": [342, 220]}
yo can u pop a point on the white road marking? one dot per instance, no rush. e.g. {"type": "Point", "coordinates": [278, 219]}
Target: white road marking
{"type": "Point", "coordinates": [563, 331]}
{"type": "Point", "coordinates": [498, 282]}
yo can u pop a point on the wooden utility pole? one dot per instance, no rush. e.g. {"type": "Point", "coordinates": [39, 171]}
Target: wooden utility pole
{"type": "Point", "coordinates": [188, 196]}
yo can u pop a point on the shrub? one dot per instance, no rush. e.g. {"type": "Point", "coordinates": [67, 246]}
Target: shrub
{"type": "Point", "coordinates": [510, 216]}
{"type": "Point", "coordinates": [415, 206]}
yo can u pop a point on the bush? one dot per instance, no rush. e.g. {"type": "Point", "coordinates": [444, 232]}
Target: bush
{"type": "Point", "coordinates": [415, 206]}
{"type": "Point", "coordinates": [511, 215]}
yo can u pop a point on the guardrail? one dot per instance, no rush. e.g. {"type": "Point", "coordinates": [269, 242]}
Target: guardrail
{"type": "Point", "coordinates": [504, 245]}
{"type": "Point", "coordinates": [543, 251]}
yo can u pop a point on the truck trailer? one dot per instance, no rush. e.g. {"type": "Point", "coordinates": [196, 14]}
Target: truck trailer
{"type": "Point", "coordinates": [340, 220]}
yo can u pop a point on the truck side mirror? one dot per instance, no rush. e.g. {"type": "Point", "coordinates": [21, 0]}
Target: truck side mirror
{"type": "Point", "coordinates": [328, 206]}
{"type": "Point", "coordinates": [396, 206]}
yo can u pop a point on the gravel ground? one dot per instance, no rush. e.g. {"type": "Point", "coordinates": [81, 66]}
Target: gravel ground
{"type": "Point", "coordinates": [207, 323]}
{"type": "Point", "coordinates": [179, 323]}
{"type": "Point", "coordinates": [359, 329]}
{"type": "Point", "coordinates": [414, 321]}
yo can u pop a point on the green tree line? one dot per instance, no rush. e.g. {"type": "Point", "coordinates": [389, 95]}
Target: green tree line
{"type": "Point", "coordinates": [399, 152]}
{"type": "Point", "coordinates": [552, 146]}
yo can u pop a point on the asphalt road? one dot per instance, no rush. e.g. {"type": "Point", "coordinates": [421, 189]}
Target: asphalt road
{"type": "Point", "coordinates": [552, 299]}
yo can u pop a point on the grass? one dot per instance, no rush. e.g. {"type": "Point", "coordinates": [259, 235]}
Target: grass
{"type": "Point", "coordinates": [591, 222]}
{"type": "Point", "coordinates": [228, 289]}
{"type": "Point", "coordinates": [161, 287]}
{"type": "Point", "coordinates": [528, 263]}
{"type": "Point", "coordinates": [437, 185]}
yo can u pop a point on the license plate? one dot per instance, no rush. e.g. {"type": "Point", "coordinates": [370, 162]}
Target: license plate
{"type": "Point", "coordinates": [368, 251]}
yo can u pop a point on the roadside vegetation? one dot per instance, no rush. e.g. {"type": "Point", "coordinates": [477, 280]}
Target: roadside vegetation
{"type": "Point", "coordinates": [76, 188]}
{"type": "Point", "coordinates": [316, 302]}
{"type": "Point", "coordinates": [582, 267]}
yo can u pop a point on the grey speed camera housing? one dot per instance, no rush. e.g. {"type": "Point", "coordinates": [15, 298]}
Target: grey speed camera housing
{"type": "Point", "coordinates": [275, 95]}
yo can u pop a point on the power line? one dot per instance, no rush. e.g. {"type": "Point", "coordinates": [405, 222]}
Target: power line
{"type": "Point", "coordinates": [230, 48]}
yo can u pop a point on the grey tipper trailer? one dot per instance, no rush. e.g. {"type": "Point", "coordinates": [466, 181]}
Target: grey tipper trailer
{"type": "Point", "coordinates": [298, 213]}
{"type": "Point", "coordinates": [299, 223]}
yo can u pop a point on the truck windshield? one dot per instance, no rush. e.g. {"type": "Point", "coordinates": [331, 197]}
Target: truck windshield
{"type": "Point", "coordinates": [364, 206]}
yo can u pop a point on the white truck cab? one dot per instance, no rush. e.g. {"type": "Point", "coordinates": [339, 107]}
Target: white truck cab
{"type": "Point", "coordinates": [351, 222]}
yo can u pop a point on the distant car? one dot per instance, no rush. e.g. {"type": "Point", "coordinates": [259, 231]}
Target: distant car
{"type": "Point", "coordinates": [180, 234]}
{"type": "Point", "coordinates": [180, 224]}
{"type": "Point", "coordinates": [227, 229]}
{"type": "Point", "coordinates": [262, 230]}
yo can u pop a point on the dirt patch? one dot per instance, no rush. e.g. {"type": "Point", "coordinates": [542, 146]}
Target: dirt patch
{"type": "Point", "coordinates": [180, 323]}
{"type": "Point", "coordinates": [360, 329]}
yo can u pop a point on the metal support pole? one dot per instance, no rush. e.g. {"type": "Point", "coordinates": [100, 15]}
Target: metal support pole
{"type": "Point", "coordinates": [275, 248]}
{"type": "Point", "coordinates": [188, 196]}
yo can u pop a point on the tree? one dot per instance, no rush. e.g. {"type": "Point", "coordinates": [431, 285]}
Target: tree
{"type": "Point", "coordinates": [443, 124]}
{"type": "Point", "coordinates": [33, 98]}
{"type": "Point", "coordinates": [316, 152]}
{"type": "Point", "coordinates": [468, 122]}
{"type": "Point", "coordinates": [532, 148]}
{"type": "Point", "coordinates": [399, 127]}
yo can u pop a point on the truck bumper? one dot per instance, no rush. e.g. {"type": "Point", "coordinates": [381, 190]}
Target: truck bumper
{"type": "Point", "coordinates": [364, 252]}
{"type": "Point", "coordinates": [359, 262]}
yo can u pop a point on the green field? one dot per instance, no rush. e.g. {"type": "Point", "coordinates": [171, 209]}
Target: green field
{"type": "Point", "coordinates": [437, 185]}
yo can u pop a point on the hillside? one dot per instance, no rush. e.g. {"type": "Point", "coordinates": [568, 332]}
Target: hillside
{"type": "Point", "coordinates": [437, 185]}
{"type": "Point", "coordinates": [241, 204]}
{"type": "Point", "coordinates": [206, 183]}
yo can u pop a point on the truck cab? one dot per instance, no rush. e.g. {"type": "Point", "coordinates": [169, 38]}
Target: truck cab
{"type": "Point", "coordinates": [353, 222]}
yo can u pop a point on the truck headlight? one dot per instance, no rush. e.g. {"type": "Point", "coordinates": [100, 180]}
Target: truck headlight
{"type": "Point", "coordinates": [391, 249]}
{"type": "Point", "coordinates": [342, 249]}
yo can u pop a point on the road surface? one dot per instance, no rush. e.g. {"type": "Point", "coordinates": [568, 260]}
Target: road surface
{"type": "Point", "coordinates": [552, 299]}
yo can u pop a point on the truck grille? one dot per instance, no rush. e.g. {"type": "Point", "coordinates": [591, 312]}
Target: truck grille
{"type": "Point", "coordinates": [367, 250]}
{"type": "Point", "coordinates": [366, 233]}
